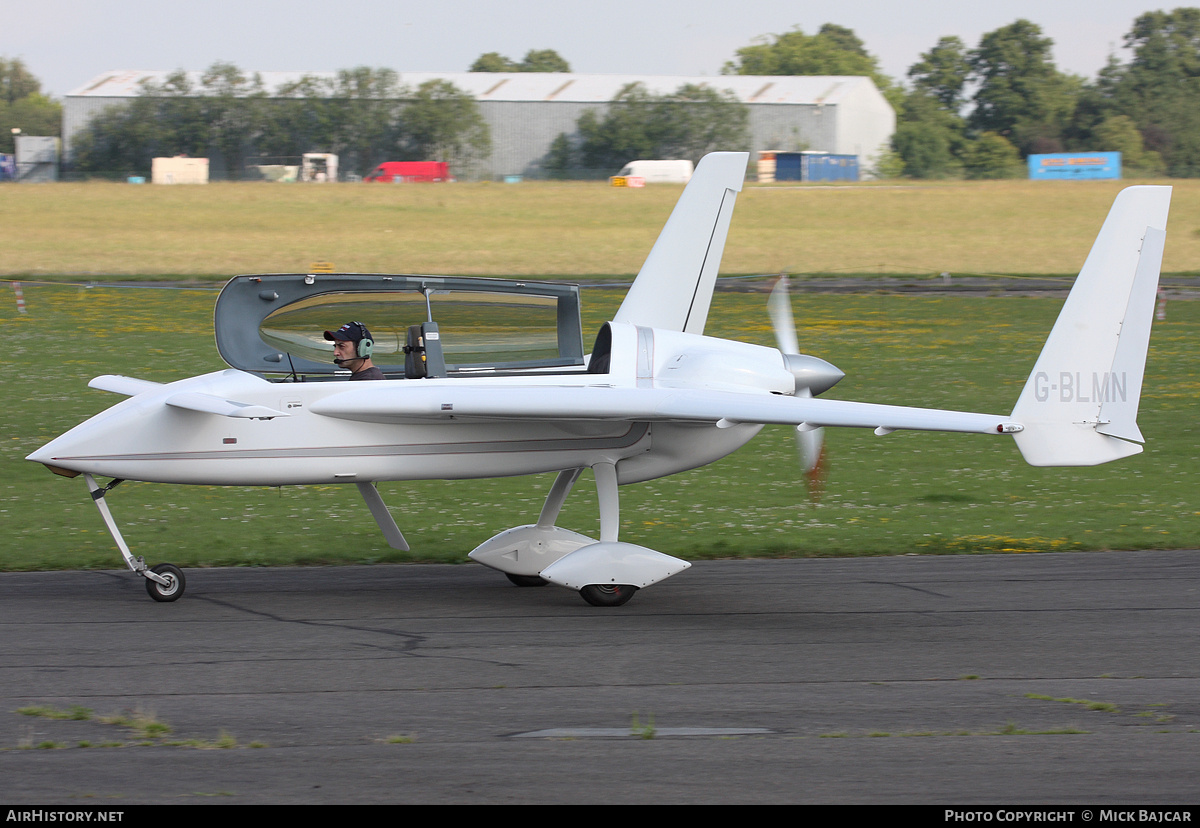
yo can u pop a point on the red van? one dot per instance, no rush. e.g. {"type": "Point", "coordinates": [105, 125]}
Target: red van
{"type": "Point", "coordinates": [407, 171]}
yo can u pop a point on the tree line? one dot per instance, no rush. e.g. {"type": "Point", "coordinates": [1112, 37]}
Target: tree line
{"type": "Point", "coordinates": [978, 112]}
{"type": "Point", "coordinates": [962, 111]}
{"type": "Point", "coordinates": [364, 115]}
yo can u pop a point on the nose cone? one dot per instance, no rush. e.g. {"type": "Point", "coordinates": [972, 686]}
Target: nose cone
{"type": "Point", "coordinates": [812, 373]}
{"type": "Point", "coordinates": [81, 448]}
{"type": "Point", "coordinates": [57, 451]}
{"type": "Point", "coordinates": [46, 456]}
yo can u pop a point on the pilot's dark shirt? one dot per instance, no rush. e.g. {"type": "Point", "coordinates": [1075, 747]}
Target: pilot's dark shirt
{"type": "Point", "coordinates": [372, 373]}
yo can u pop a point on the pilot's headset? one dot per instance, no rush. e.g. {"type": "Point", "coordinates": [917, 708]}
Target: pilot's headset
{"type": "Point", "coordinates": [364, 347]}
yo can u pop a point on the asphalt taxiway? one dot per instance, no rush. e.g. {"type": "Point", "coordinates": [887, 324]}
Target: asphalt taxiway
{"type": "Point", "coordinates": [998, 679]}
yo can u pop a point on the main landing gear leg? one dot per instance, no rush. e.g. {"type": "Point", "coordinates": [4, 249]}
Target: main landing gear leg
{"type": "Point", "coordinates": [563, 484]}
{"type": "Point", "coordinates": [384, 519]}
{"type": "Point", "coordinates": [607, 595]}
{"type": "Point", "coordinates": [558, 496]}
{"type": "Point", "coordinates": [164, 582]}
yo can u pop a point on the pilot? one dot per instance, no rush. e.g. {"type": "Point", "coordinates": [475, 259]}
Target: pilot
{"type": "Point", "coordinates": [352, 345]}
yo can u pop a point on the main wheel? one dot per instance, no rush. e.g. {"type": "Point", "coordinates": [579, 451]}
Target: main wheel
{"type": "Point", "coordinates": [171, 590]}
{"type": "Point", "coordinates": [526, 580]}
{"type": "Point", "coordinates": [607, 595]}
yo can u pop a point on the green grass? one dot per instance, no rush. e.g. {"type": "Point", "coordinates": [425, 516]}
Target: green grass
{"type": "Point", "coordinates": [1104, 707]}
{"type": "Point", "coordinates": [75, 713]}
{"type": "Point", "coordinates": [102, 230]}
{"type": "Point", "coordinates": [143, 728]}
{"type": "Point", "coordinates": [907, 492]}
{"type": "Point", "coordinates": [643, 731]}
{"type": "Point", "coordinates": [1011, 729]}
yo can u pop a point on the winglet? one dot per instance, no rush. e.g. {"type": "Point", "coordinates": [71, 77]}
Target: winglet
{"type": "Point", "coordinates": [675, 285]}
{"type": "Point", "coordinates": [1079, 406]}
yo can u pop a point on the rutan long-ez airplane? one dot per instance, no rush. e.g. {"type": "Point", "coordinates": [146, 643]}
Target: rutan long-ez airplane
{"type": "Point", "coordinates": [517, 394]}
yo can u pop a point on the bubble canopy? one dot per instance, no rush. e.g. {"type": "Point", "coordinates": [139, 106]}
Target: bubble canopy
{"type": "Point", "coordinates": [275, 323]}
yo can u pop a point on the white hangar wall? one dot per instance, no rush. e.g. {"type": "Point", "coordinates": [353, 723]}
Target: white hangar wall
{"type": "Point", "coordinates": [845, 115]}
{"type": "Point", "coordinates": [527, 111]}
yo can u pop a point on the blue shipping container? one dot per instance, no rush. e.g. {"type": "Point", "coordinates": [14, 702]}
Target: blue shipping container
{"type": "Point", "coordinates": [809, 166]}
{"type": "Point", "coordinates": [831, 168]}
{"type": "Point", "coordinates": [787, 166]}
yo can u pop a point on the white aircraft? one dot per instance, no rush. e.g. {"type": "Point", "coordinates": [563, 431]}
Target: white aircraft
{"type": "Point", "coordinates": [654, 397]}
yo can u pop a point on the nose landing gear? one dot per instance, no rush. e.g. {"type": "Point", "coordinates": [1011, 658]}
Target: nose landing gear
{"type": "Point", "coordinates": [164, 582]}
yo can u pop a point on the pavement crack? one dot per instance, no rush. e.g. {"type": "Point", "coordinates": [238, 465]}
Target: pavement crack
{"type": "Point", "coordinates": [411, 642]}
{"type": "Point", "coordinates": [908, 586]}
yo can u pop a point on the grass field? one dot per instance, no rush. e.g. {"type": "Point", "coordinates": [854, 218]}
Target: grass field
{"type": "Point", "coordinates": [904, 493]}
{"type": "Point", "coordinates": [101, 230]}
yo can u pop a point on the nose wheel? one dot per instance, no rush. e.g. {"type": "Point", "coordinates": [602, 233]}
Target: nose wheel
{"type": "Point", "coordinates": [169, 585]}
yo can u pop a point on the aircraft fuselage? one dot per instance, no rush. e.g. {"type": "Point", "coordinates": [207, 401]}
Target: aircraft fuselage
{"type": "Point", "coordinates": [147, 438]}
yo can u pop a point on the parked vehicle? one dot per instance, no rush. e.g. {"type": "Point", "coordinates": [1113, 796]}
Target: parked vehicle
{"type": "Point", "coordinates": [406, 171]}
{"type": "Point", "coordinates": [658, 172]}
{"type": "Point", "coordinates": [321, 167]}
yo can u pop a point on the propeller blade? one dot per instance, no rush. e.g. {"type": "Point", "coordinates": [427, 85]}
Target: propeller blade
{"type": "Point", "coordinates": [779, 306]}
{"type": "Point", "coordinates": [811, 445]}
{"type": "Point", "coordinates": [810, 442]}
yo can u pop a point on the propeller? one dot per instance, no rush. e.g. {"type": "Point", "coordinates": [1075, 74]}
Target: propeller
{"type": "Point", "coordinates": [811, 374]}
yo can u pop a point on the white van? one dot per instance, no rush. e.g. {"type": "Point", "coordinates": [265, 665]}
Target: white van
{"type": "Point", "coordinates": [658, 172]}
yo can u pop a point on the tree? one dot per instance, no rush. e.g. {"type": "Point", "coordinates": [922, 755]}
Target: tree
{"type": "Point", "coordinates": [888, 165]}
{"type": "Point", "coordinates": [1021, 94]}
{"type": "Point", "coordinates": [231, 103]}
{"type": "Point", "coordinates": [833, 50]}
{"type": "Point", "coordinates": [1095, 103]}
{"type": "Point", "coordinates": [493, 62]}
{"type": "Point", "coordinates": [23, 106]}
{"type": "Point", "coordinates": [536, 60]}
{"type": "Point", "coordinates": [1158, 89]}
{"type": "Point", "coordinates": [544, 60]}
{"type": "Point", "coordinates": [687, 123]}
{"type": "Point", "coordinates": [622, 135]}
{"type": "Point", "coordinates": [695, 120]}
{"type": "Point", "coordinates": [1119, 133]}
{"type": "Point", "coordinates": [1166, 46]}
{"type": "Point", "coordinates": [442, 123]}
{"type": "Point", "coordinates": [928, 138]}
{"type": "Point", "coordinates": [930, 131]}
{"type": "Point", "coordinates": [356, 114]}
{"type": "Point", "coordinates": [560, 159]}
{"type": "Point", "coordinates": [300, 119]}
{"type": "Point", "coordinates": [365, 105]}
{"type": "Point", "coordinates": [221, 116]}
{"type": "Point", "coordinates": [34, 115]}
{"type": "Point", "coordinates": [164, 119]}
{"type": "Point", "coordinates": [992, 156]}
{"type": "Point", "coordinates": [942, 73]}
{"type": "Point", "coordinates": [16, 81]}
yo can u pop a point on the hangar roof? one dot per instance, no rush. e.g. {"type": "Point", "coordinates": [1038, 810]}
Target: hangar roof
{"type": "Point", "coordinates": [537, 86]}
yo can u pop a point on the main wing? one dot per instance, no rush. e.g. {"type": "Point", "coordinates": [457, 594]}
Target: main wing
{"type": "Point", "coordinates": [566, 403]}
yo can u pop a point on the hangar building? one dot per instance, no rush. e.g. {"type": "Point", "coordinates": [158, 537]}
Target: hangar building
{"type": "Point", "coordinates": [526, 111]}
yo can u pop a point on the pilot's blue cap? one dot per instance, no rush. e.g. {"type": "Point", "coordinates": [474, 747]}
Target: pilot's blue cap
{"type": "Point", "coordinates": [350, 332]}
